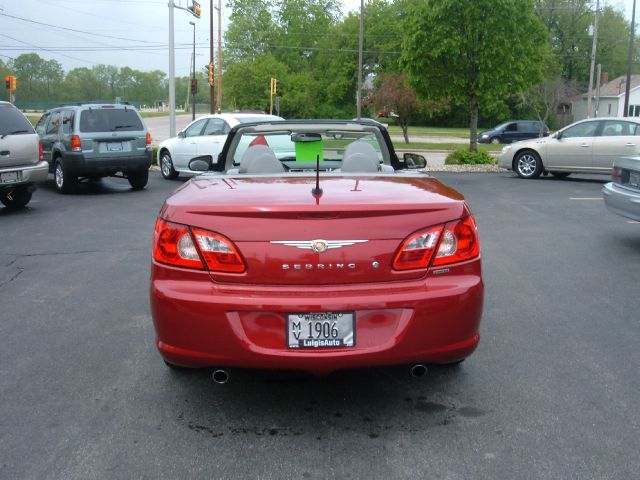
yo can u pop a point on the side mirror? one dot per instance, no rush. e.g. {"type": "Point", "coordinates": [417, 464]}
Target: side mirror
{"type": "Point", "coordinates": [181, 134]}
{"type": "Point", "coordinates": [200, 164]}
{"type": "Point", "coordinates": [557, 135]}
{"type": "Point", "coordinates": [414, 161]}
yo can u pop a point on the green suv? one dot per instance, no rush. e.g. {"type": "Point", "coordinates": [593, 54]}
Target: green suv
{"type": "Point", "coordinates": [93, 141]}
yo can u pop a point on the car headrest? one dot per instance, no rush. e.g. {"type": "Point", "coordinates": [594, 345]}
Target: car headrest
{"type": "Point", "coordinates": [260, 159]}
{"type": "Point", "coordinates": [360, 157]}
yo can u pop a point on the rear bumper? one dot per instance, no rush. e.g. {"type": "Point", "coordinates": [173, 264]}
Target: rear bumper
{"type": "Point", "coordinates": [27, 175]}
{"type": "Point", "coordinates": [199, 323]}
{"type": "Point", "coordinates": [622, 201]}
{"type": "Point", "coordinates": [77, 164]}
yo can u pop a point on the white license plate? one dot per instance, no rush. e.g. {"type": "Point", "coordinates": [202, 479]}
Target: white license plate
{"type": "Point", "coordinates": [321, 330]}
{"type": "Point", "coordinates": [114, 146]}
{"type": "Point", "coordinates": [9, 177]}
{"type": "Point", "coordinates": [634, 179]}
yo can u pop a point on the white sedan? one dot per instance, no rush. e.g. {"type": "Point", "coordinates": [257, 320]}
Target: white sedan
{"type": "Point", "coordinates": [204, 137]}
{"type": "Point", "coordinates": [588, 146]}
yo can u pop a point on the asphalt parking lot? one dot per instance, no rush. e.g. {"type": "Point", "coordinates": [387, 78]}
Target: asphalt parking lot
{"type": "Point", "coordinates": [552, 391]}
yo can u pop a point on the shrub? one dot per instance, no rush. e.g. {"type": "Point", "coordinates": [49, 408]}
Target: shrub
{"type": "Point", "coordinates": [467, 157]}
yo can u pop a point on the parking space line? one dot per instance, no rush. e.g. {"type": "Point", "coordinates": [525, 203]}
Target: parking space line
{"type": "Point", "coordinates": [585, 198]}
{"type": "Point", "coordinates": [632, 221]}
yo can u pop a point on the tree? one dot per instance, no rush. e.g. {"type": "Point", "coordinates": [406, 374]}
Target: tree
{"type": "Point", "coordinates": [396, 95]}
{"type": "Point", "coordinates": [465, 51]}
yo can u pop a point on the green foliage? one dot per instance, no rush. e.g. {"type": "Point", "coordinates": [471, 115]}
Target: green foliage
{"type": "Point", "coordinates": [467, 157]}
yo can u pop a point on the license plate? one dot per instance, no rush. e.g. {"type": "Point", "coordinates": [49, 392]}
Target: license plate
{"type": "Point", "coordinates": [9, 177]}
{"type": "Point", "coordinates": [321, 330]}
{"type": "Point", "coordinates": [634, 179]}
{"type": "Point", "coordinates": [114, 146]}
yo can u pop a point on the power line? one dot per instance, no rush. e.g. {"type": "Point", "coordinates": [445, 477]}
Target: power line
{"type": "Point", "coordinates": [46, 50]}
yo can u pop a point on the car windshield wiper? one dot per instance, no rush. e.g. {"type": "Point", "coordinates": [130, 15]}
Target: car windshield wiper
{"type": "Point", "coordinates": [122, 126]}
{"type": "Point", "coordinates": [14, 132]}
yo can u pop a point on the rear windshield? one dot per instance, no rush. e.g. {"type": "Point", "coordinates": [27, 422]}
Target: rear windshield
{"type": "Point", "coordinates": [110, 120]}
{"type": "Point", "coordinates": [12, 122]}
{"type": "Point", "coordinates": [261, 118]}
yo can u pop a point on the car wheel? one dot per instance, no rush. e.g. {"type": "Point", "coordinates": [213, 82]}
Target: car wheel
{"type": "Point", "coordinates": [64, 181]}
{"type": "Point", "coordinates": [166, 166]}
{"type": "Point", "coordinates": [138, 180]}
{"type": "Point", "coordinates": [16, 198]}
{"type": "Point", "coordinates": [527, 164]}
{"type": "Point", "coordinates": [561, 174]}
{"type": "Point", "coordinates": [495, 140]}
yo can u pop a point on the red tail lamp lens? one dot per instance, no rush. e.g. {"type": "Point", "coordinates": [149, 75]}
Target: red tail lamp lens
{"type": "Point", "coordinates": [148, 139]}
{"type": "Point", "coordinates": [616, 175]}
{"type": "Point", "coordinates": [218, 252]}
{"type": "Point", "coordinates": [76, 145]}
{"type": "Point", "coordinates": [174, 245]}
{"type": "Point", "coordinates": [40, 151]}
{"type": "Point", "coordinates": [459, 242]}
{"type": "Point", "coordinates": [418, 249]}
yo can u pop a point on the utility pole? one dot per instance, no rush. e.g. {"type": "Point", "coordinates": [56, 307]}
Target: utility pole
{"type": "Point", "coordinates": [219, 99]}
{"type": "Point", "coordinates": [360, 46]}
{"type": "Point", "coordinates": [172, 75]}
{"type": "Point", "coordinates": [212, 101]}
{"type": "Point", "coordinates": [193, 76]}
{"type": "Point", "coordinates": [593, 58]}
{"type": "Point", "coordinates": [627, 88]}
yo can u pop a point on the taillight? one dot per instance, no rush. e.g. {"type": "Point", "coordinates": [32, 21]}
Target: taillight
{"type": "Point", "coordinates": [459, 242]}
{"type": "Point", "coordinates": [40, 152]}
{"type": "Point", "coordinates": [218, 252]}
{"type": "Point", "coordinates": [173, 245]}
{"type": "Point", "coordinates": [418, 249]}
{"type": "Point", "coordinates": [183, 247]}
{"type": "Point", "coordinates": [148, 140]}
{"type": "Point", "coordinates": [76, 145]}
{"type": "Point", "coordinates": [616, 175]}
{"type": "Point", "coordinates": [445, 244]}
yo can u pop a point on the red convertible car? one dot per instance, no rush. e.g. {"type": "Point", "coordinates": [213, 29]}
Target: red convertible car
{"type": "Point", "coordinates": [309, 245]}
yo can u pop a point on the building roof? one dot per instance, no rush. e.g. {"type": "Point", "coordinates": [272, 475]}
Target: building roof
{"type": "Point", "coordinates": [616, 87]}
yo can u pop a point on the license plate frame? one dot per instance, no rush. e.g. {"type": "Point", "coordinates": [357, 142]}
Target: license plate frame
{"type": "Point", "coordinates": [336, 330]}
{"type": "Point", "coordinates": [10, 177]}
{"type": "Point", "coordinates": [114, 147]}
{"type": "Point", "coordinates": [634, 179]}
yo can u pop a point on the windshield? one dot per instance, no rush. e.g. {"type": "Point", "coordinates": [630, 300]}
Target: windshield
{"type": "Point", "coordinates": [12, 122]}
{"type": "Point", "coordinates": [256, 119]}
{"type": "Point", "coordinates": [110, 120]}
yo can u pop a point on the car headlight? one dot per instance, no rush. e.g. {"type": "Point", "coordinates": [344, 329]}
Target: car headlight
{"type": "Point", "coordinates": [484, 135]}
{"type": "Point", "coordinates": [506, 149]}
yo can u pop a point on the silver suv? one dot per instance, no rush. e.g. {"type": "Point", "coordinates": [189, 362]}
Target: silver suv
{"type": "Point", "coordinates": [95, 140]}
{"type": "Point", "coordinates": [21, 162]}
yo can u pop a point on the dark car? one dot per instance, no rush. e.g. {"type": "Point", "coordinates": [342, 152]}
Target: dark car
{"type": "Point", "coordinates": [93, 141]}
{"type": "Point", "coordinates": [514, 131]}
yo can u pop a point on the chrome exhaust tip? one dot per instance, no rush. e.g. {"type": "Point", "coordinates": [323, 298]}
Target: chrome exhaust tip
{"type": "Point", "coordinates": [418, 370]}
{"type": "Point", "coordinates": [220, 376]}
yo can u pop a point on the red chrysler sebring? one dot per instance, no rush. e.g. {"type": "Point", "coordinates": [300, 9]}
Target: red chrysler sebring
{"type": "Point", "coordinates": [309, 245]}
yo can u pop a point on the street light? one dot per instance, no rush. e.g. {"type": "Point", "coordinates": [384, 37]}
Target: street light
{"type": "Point", "coordinates": [193, 76]}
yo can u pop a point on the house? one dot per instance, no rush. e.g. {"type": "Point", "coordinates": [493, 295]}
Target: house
{"type": "Point", "coordinates": [610, 102]}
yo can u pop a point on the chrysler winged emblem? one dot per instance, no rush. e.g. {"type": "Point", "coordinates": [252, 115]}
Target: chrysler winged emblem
{"type": "Point", "coordinates": [319, 245]}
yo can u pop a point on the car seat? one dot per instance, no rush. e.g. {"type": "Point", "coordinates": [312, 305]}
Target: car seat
{"type": "Point", "coordinates": [260, 159]}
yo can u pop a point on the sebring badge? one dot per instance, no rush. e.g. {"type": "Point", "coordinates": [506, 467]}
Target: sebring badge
{"type": "Point", "coordinates": [318, 246]}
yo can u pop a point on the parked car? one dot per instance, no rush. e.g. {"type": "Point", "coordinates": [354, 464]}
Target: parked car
{"type": "Point", "coordinates": [95, 140]}
{"type": "Point", "coordinates": [21, 163]}
{"type": "Point", "coordinates": [587, 146]}
{"type": "Point", "coordinates": [204, 137]}
{"type": "Point", "coordinates": [325, 252]}
{"type": "Point", "coordinates": [622, 195]}
{"type": "Point", "coordinates": [514, 131]}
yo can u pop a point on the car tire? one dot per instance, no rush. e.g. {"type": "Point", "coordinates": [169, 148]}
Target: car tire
{"type": "Point", "coordinates": [561, 174]}
{"type": "Point", "coordinates": [138, 180]}
{"type": "Point", "coordinates": [65, 182]}
{"type": "Point", "coordinates": [166, 166]}
{"type": "Point", "coordinates": [17, 198]}
{"type": "Point", "coordinates": [495, 140]}
{"type": "Point", "coordinates": [527, 164]}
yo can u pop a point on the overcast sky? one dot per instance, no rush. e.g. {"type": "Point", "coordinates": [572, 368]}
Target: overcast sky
{"type": "Point", "coordinates": [131, 33]}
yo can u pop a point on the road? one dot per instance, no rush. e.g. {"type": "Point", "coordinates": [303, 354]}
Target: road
{"type": "Point", "coordinates": [551, 393]}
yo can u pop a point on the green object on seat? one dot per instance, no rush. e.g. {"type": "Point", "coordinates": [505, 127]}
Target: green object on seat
{"type": "Point", "coordinates": [309, 151]}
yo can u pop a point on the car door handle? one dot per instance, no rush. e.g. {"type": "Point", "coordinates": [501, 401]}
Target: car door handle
{"type": "Point", "coordinates": [585, 145]}
{"type": "Point", "coordinates": [629, 144]}
{"type": "Point", "coordinates": [4, 153]}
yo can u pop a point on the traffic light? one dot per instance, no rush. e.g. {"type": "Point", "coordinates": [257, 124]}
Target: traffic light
{"type": "Point", "coordinates": [211, 74]}
{"type": "Point", "coordinates": [13, 83]}
{"type": "Point", "coordinates": [195, 9]}
{"type": "Point", "coordinates": [277, 87]}
{"type": "Point", "coordinates": [194, 86]}
{"type": "Point", "coordinates": [7, 82]}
